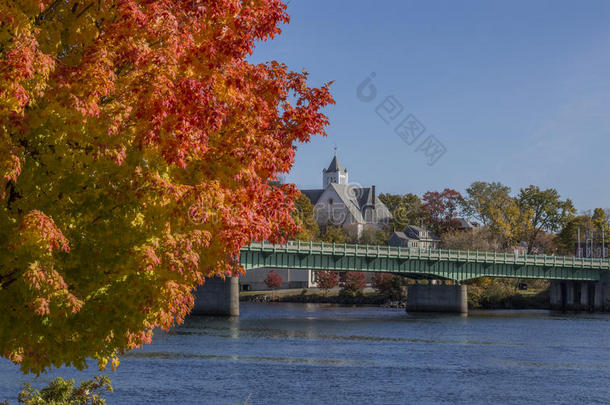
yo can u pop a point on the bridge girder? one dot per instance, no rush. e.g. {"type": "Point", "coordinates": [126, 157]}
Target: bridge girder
{"type": "Point", "coordinates": [453, 265]}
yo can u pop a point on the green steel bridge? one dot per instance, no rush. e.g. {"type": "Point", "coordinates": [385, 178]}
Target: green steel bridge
{"type": "Point", "coordinates": [457, 265]}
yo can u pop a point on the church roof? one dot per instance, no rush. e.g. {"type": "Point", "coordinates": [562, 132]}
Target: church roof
{"type": "Point", "coordinates": [358, 200]}
{"type": "Point", "coordinates": [335, 166]}
{"type": "Point", "coordinates": [313, 195]}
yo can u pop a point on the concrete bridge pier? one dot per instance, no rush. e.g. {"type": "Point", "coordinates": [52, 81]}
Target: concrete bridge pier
{"type": "Point", "coordinates": [568, 295]}
{"type": "Point", "coordinates": [437, 298]}
{"type": "Point", "coordinates": [217, 297]}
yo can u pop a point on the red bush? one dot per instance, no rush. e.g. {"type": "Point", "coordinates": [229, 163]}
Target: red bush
{"type": "Point", "coordinates": [354, 283]}
{"type": "Point", "coordinates": [387, 284]}
{"type": "Point", "coordinates": [273, 280]}
{"type": "Point", "coordinates": [327, 279]}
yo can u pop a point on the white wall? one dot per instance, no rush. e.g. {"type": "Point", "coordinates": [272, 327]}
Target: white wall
{"type": "Point", "coordinates": [330, 209]}
{"type": "Point", "coordinates": [291, 278]}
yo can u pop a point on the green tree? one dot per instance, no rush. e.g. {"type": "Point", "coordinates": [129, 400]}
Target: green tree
{"type": "Point", "coordinates": [63, 392]}
{"type": "Point", "coordinates": [567, 238]}
{"type": "Point", "coordinates": [595, 221]}
{"type": "Point", "coordinates": [334, 234]}
{"type": "Point", "coordinates": [405, 209]}
{"type": "Point", "coordinates": [371, 236]}
{"type": "Point", "coordinates": [545, 211]}
{"type": "Point", "coordinates": [600, 220]}
{"type": "Point", "coordinates": [304, 217]}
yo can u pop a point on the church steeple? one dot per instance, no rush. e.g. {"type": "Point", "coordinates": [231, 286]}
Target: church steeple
{"type": "Point", "coordinates": [334, 173]}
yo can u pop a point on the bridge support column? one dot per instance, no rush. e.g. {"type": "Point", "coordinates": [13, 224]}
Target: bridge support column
{"type": "Point", "coordinates": [217, 297]}
{"type": "Point", "coordinates": [581, 295]}
{"type": "Point", "coordinates": [437, 298]}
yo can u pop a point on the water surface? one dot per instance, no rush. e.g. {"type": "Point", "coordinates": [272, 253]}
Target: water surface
{"type": "Point", "coordinates": [316, 353]}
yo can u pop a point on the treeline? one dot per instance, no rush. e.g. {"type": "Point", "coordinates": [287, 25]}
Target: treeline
{"type": "Point", "coordinates": [539, 220]}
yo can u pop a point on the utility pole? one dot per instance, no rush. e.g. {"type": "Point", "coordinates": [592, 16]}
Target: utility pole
{"type": "Point", "coordinates": [603, 244]}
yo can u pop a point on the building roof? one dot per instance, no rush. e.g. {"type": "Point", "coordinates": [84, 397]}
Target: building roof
{"type": "Point", "coordinates": [334, 166]}
{"type": "Point", "coordinates": [401, 235]}
{"type": "Point", "coordinates": [416, 232]}
{"type": "Point", "coordinates": [313, 195]}
{"type": "Point", "coordinates": [358, 201]}
{"type": "Point", "coordinates": [465, 224]}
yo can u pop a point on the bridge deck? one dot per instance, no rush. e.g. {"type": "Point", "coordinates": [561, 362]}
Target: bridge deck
{"type": "Point", "coordinates": [452, 264]}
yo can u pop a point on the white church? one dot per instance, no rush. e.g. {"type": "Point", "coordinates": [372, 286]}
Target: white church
{"type": "Point", "coordinates": [346, 205]}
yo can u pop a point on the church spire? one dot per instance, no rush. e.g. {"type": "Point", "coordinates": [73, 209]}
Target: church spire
{"type": "Point", "coordinates": [335, 173]}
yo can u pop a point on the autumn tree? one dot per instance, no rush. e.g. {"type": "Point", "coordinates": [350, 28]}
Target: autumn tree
{"type": "Point", "coordinates": [354, 283]}
{"type": "Point", "coordinates": [326, 280]}
{"type": "Point", "coordinates": [273, 280]}
{"type": "Point", "coordinates": [481, 239]}
{"type": "Point", "coordinates": [484, 200]}
{"type": "Point", "coordinates": [389, 285]}
{"type": "Point", "coordinates": [137, 144]}
{"type": "Point", "coordinates": [441, 210]}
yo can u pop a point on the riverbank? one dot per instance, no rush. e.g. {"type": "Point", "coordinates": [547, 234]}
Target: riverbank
{"type": "Point", "coordinates": [478, 298]}
{"type": "Point", "coordinates": [316, 296]}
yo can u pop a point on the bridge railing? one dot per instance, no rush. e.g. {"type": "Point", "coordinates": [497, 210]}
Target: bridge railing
{"type": "Point", "coordinates": [430, 254]}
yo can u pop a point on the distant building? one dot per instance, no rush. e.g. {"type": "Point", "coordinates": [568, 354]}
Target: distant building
{"type": "Point", "coordinates": [466, 225]}
{"type": "Point", "coordinates": [349, 206]}
{"type": "Point", "coordinates": [414, 237]}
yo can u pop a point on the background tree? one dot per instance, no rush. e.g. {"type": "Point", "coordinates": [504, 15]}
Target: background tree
{"type": "Point", "coordinates": [354, 283]}
{"type": "Point", "coordinates": [371, 236]}
{"type": "Point", "coordinates": [544, 210]}
{"type": "Point", "coordinates": [441, 210]}
{"type": "Point", "coordinates": [567, 239]}
{"type": "Point", "coordinates": [137, 144]}
{"type": "Point", "coordinates": [481, 239]}
{"type": "Point", "coordinates": [326, 280]}
{"type": "Point", "coordinates": [484, 199]}
{"type": "Point", "coordinates": [273, 280]}
{"type": "Point", "coordinates": [334, 234]}
{"type": "Point", "coordinates": [304, 217]}
{"type": "Point", "coordinates": [600, 221]}
{"type": "Point", "coordinates": [405, 209]}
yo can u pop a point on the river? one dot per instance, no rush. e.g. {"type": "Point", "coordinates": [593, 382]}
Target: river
{"type": "Point", "coordinates": [316, 353]}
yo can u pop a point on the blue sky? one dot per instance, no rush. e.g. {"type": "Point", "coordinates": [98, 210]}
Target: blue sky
{"type": "Point", "coordinates": [516, 91]}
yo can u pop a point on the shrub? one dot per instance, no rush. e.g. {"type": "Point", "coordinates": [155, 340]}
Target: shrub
{"type": "Point", "coordinates": [388, 285]}
{"type": "Point", "coordinates": [63, 392]}
{"type": "Point", "coordinates": [354, 283]}
{"type": "Point", "coordinates": [327, 279]}
{"type": "Point", "coordinates": [273, 280]}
